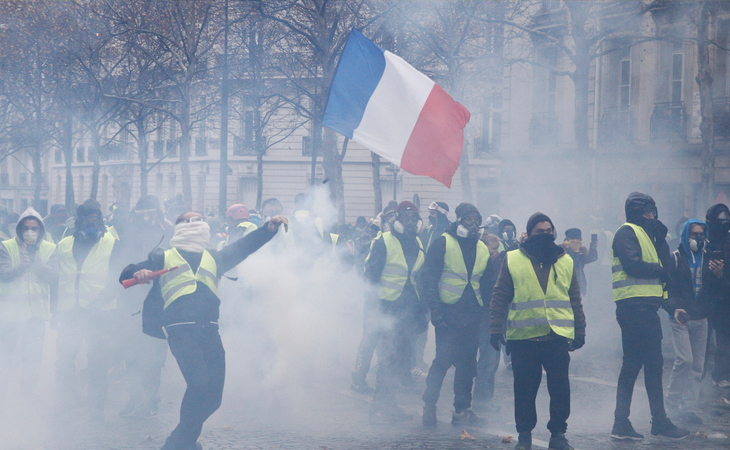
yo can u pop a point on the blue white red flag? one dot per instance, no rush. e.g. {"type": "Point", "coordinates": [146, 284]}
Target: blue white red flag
{"type": "Point", "coordinates": [383, 103]}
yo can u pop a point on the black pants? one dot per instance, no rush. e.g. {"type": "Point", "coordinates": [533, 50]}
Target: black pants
{"type": "Point", "coordinates": [528, 360]}
{"type": "Point", "coordinates": [199, 353]}
{"type": "Point", "coordinates": [97, 328]}
{"type": "Point", "coordinates": [371, 335]}
{"type": "Point", "coordinates": [641, 338]}
{"type": "Point", "coordinates": [394, 359]}
{"type": "Point", "coordinates": [722, 356]}
{"type": "Point", "coordinates": [454, 347]}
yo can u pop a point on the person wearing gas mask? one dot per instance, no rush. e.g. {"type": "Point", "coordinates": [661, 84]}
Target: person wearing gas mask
{"type": "Point", "coordinates": [641, 268]}
{"type": "Point", "coordinates": [451, 285]}
{"type": "Point", "coordinates": [271, 207]}
{"type": "Point", "coordinates": [508, 235]}
{"type": "Point", "coordinates": [537, 297]}
{"type": "Point", "coordinates": [718, 224]}
{"type": "Point", "coordinates": [386, 218]}
{"type": "Point", "coordinates": [687, 307]}
{"type": "Point", "coordinates": [85, 310]}
{"type": "Point", "coordinates": [438, 222]}
{"type": "Point", "coordinates": [573, 245]}
{"type": "Point", "coordinates": [183, 307]}
{"type": "Point", "coordinates": [28, 266]}
{"type": "Point", "coordinates": [144, 356]}
{"type": "Point", "coordinates": [395, 258]}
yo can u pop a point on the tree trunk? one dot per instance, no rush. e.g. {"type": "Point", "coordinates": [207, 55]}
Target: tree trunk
{"type": "Point", "coordinates": [704, 81]}
{"type": "Point", "coordinates": [143, 154]}
{"type": "Point", "coordinates": [96, 144]}
{"type": "Point", "coordinates": [316, 145]}
{"type": "Point", "coordinates": [185, 152]}
{"type": "Point", "coordinates": [68, 152]}
{"type": "Point", "coordinates": [465, 175]}
{"type": "Point", "coordinates": [333, 172]}
{"type": "Point", "coordinates": [377, 188]}
{"type": "Point", "coordinates": [580, 81]}
{"type": "Point", "coordinates": [37, 177]}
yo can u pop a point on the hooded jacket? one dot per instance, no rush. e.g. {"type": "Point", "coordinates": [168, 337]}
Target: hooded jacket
{"type": "Point", "coordinates": [627, 249]}
{"type": "Point", "coordinates": [682, 288]}
{"type": "Point", "coordinates": [718, 290]}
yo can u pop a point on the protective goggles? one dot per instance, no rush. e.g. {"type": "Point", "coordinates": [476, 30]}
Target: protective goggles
{"type": "Point", "coordinates": [435, 207]}
{"type": "Point", "coordinates": [194, 219]}
{"type": "Point", "coordinates": [651, 209]}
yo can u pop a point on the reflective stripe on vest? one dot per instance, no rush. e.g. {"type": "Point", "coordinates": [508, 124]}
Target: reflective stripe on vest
{"type": "Point", "coordinates": [27, 296]}
{"type": "Point", "coordinates": [626, 286]}
{"type": "Point", "coordinates": [182, 281]}
{"type": "Point", "coordinates": [453, 279]}
{"type": "Point", "coordinates": [534, 313]}
{"type": "Point", "coordinates": [395, 273]}
{"type": "Point", "coordinates": [79, 286]}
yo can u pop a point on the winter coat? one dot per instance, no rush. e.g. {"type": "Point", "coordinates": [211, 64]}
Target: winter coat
{"type": "Point", "coordinates": [681, 289]}
{"type": "Point", "coordinates": [580, 259]}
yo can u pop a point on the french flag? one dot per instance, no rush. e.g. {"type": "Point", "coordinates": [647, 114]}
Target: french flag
{"type": "Point", "coordinates": [381, 102]}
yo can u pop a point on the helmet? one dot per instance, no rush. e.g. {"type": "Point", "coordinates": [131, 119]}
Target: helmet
{"type": "Point", "coordinates": [237, 212]}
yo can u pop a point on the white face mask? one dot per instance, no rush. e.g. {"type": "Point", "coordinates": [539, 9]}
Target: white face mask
{"type": "Point", "coordinates": [462, 231]}
{"type": "Point", "coordinates": [30, 236]}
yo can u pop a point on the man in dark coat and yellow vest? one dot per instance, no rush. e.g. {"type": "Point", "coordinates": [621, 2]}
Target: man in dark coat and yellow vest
{"type": "Point", "coordinates": [538, 296]}
{"type": "Point", "coordinates": [395, 258]}
{"type": "Point", "coordinates": [183, 306]}
{"type": "Point", "coordinates": [451, 286]}
{"type": "Point", "coordinates": [641, 268]}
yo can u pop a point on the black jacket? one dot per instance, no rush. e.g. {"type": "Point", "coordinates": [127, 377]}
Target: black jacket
{"type": "Point", "coordinates": [202, 305]}
{"type": "Point", "coordinates": [681, 289]}
{"type": "Point", "coordinates": [467, 310]}
{"type": "Point", "coordinates": [627, 249]}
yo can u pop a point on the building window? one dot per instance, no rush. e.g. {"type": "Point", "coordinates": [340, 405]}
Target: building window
{"type": "Point", "coordinates": [158, 149]}
{"type": "Point", "coordinates": [58, 156]}
{"type": "Point", "coordinates": [625, 79]}
{"type": "Point", "coordinates": [23, 179]}
{"type": "Point", "coordinates": [80, 153]}
{"type": "Point", "coordinates": [677, 72]}
{"type": "Point", "coordinates": [247, 188]}
{"type": "Point", "coordinates": [200, 146]}
{"type": "Point", "coordinates": [307, 145]}
{"type": "Point", "coordinates": [4, 179]}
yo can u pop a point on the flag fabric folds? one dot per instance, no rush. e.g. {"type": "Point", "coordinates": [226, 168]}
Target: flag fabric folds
{"type": "Point", "coordinates": [383, 103]}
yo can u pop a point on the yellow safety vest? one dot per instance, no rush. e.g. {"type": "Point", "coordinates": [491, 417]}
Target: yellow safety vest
{"type": "Point", "coordinates": [182, 281]}
{"type": "Point", "coordinates": [533, 313]}
{"type": "Point", "coordinates": [249, 227]}
{"type": "Point", "coordinates": [79, 286]}
{"type": "Point", "coordinates": [626, 286]}
{"type": "Point", "coordinates": [27, 296]}
{"type": "Point", "coordinates": [395, 272]}
{"type": "Point", "coordinates": [454, 277]}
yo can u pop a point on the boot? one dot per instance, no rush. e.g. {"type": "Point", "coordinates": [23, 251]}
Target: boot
{"type": "Point", "coordinates": [622, 430]}
{"type": "Point", "coordinates": [559, 442]}
{"type": "Point", "coordinates": [466, 417]}
{"type": "Point", "coordinates": [524, 441]}
{"type": "Point", "coordinates": [429, 416]}
{"type": "Point", "coordinates": [665, 427]}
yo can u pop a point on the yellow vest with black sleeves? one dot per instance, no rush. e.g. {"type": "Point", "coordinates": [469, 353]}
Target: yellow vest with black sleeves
{"type": "Point", "coordinates": [182, 281]}
{"type": "Point", "coordinates": [534, 313]}
{"type": "Point", "coordinates": [27, 296]}
{"type": "Point", "coordinates": [626, 286]}
{"type": "Point", "coordinates": [79, 286]}
{"type": "Point", "coordinates": [395, 273]}
{"type": "Point", "coordinates": [454, 277]}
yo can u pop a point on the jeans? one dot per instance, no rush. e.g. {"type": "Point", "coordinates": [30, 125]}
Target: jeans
{"type": "Point", "coordinates": [394, 358]}
{"type": "Point", "coordinates": [97, 329]}
{"type": "Point", "coordinates": [30, 334]}
{"type": "Point", "coordinates": [690, 343]}
{"type": "Point", "coordinates": [641, 338]}
{"type": "Point", "coordinates": [722, 356]}
{"type": "Point", "coordinates": [529, 358]}
{"type": "Point", "coordinates": [199, 353]}
{"type": "Point", "coordinates": [487, 365]}
{"type": "Point", "coordinates": [454, 347]}
{"type": "Point", "coordinates": [371, 335]}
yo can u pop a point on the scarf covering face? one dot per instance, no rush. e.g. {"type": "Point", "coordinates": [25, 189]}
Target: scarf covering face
{"type": "Point", "coordinates": [191, 237]}
{"type": "Point", "coordinates": [542, 247]}
{"type": "Point", "coordinates": [574, 244]}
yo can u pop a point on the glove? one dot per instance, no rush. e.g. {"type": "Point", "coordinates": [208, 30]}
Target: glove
{"type": "Point", "coordinates": [497, 339]}
{"type": "Point", "coordinates": [660, 230]}
{"type": "Point", "coordinates": [578, 342]}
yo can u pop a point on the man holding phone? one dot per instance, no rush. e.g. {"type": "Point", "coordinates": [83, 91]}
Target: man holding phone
{"type": "Point", "coordinates": [581, 256]}
{"type": "Point", "coordinates": [687, 307]}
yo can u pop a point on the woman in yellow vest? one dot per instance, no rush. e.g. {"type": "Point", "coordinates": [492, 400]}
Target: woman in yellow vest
{"type": "Point", "coordinates": [28, 266]}
{"type": "Point", "coordinates": [451, 286]}
{"type": "Point", "coordinates": [183, 306]}
{"type": "Point", "coordinates": [537, 296]}
{"type": "Point", "coordinates": [395, 258]}
{"type": "Point", "coordinates": [641, 266]}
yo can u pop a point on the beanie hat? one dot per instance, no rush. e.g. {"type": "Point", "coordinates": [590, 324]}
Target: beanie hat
{"type": "Point", "coordinates": [391, 206]}
{"type": "Point", "coordinates": [573, 233]}
{"type": "Point", "coordinates": [88, 208]}
{"type": "Point", "coordinates": [537, 218]}
{"type": "Point", "coordinates": [147, 202]}
{"type": "Point", "coordinates": [467, 209]}
{"type": "Point", "coordinates": [406, 206]}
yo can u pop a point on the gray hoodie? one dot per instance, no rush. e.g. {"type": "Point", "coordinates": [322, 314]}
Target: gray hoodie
{"type": "Point", "coordinates": [47, 273]}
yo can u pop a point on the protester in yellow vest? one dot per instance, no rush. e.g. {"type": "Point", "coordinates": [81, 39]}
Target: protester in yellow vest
{"type": "Point", "coordinates": [85, 310]}
{"type": "Point", "coordinates": [394, 260]}
{"type": "Point", "coordinates": [537, 296]}
{"type": "Point", "coordinates": [641, 267]}
{"type": "Point", "coordinates": [183, 307]}
{"type": "Point", "coordinates": [451, 286]}
{"type": "Point", "coordinates": [28, 266]}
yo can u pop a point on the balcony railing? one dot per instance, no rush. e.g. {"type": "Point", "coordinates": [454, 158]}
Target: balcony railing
{"type": "Point", "coordinates": [615, 126]}
{"type": "Point", "coordinates": [544, 130]}
{"type": "Point", "coordinates": [669, 122]}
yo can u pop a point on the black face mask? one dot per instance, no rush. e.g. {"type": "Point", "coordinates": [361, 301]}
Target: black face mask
{"type": "Point", "coordinates": [432, 220]}
{"type": "Point", "coordinates": [542, 247]}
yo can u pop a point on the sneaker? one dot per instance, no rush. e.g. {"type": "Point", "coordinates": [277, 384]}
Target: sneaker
{"type": "Point", "coordinates": [466, 417]}
{"type": "Point", "coordinates": [624, 431]}
{"type": "Point", "coordinates": [666, 428]}
{"type": "Point", "coordinates": [524, 441]}
{"type": "Point", "coordinates": [559, 442]}
{"type": "Point", "coordinates": [429, 416]}
{"type": "Point", "coordinates": [362, 388]}
{"type": "Point", "coordinates": [691, 418]}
